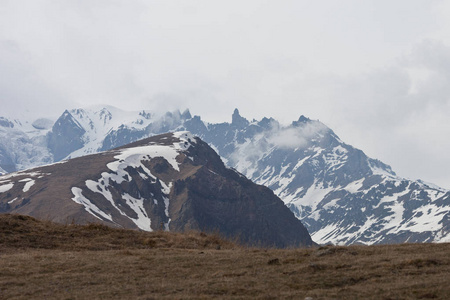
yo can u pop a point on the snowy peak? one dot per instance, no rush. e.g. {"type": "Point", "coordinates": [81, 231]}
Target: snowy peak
{"type": "Point", "coordinates": [341, 195]}
{"type": "Point", "coordinates": [103, 128]}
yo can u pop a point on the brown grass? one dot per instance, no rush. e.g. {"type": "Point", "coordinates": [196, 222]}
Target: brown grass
{"type": "Point", "coordinates": [45, 260]}
{"type": "Point", "coordinates": [24, 232]}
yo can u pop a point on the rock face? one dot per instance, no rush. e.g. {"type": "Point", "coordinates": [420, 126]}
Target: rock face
{"type": "Point", "coordinates": [172, 181]}
{"type": "Point", "coordinates": [66, 136]}
{"type": "Point", "coordinates": [341, 195]}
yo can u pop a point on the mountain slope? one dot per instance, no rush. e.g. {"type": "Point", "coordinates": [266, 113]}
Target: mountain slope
{"type": "Point", "coordinates": [172, 181]}
{"type": "Point", "coordinates": [341, 195]}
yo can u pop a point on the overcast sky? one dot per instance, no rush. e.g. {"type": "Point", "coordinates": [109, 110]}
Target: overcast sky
{"type": "Point", "coordinates": [376, 72]}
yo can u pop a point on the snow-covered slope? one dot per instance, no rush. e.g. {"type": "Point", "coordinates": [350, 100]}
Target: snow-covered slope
{"type": "Point", "coordinates": [341, 195]}
{"type": "Point", "coordinates": [84, 131]}
{"type": "Point", "coordinates": [126, 162]}
{"type": "Point", "coordinates": [23, 144]}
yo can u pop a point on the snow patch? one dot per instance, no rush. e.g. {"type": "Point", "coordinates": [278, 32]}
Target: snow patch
{"type": "Point", "coordinates": [88, 205]}
{"type": "Point", "coordinates": [425, 218]}
{"type": "Point", "coordinates": [6, 187]}
{"type": "Point", "coordinates": [355, 186]}
{"type": "Point", "coordinates": [315, 194]}
{"type": "Point", "coordinates": [133, 156]}
{"type": "Point", "coordinates": [9, 202]}
{"type": "Point", "coordinates": [324, 235]}
{"type": "Point", "coordinates": [28, 185]}
{"type": "Point", "coordinates": [393, 198]}
{"type": "Point", "coordinates": [137, 205]}
{"type": "Point", "coordinates": [335, 159]}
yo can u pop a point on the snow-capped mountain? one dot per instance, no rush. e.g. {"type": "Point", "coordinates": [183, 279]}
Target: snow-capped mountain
{"type": "Point", "coordinates": [172, 181]}
{"type": "Point", "coordinates": [341, 195]}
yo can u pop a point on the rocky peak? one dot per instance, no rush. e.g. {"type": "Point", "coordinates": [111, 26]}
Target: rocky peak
{"type": "Point", "coordinates": [237, 120]}
{"type": "Point", "coordinates": [301, 121]}
{"type": "Point", "coordinates": [66, 136]}
{"type": "Point", "coordinates": [186, 115]}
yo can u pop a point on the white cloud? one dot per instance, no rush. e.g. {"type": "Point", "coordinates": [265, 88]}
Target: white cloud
{"type": "Point", "coordinates": [379, 113]}
{"type": "Point", "coordinates": [295, 137]}
{"type": "Point", "coordinates": [376, 71]}
{"type": "Point", "coordinates": [22, 91]}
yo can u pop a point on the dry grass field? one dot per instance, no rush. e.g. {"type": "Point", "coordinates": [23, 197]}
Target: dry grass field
{"type": "Point", "coordinates": [42, 260]}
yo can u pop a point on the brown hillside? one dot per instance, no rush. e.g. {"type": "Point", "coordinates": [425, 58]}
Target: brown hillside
{"type": "Point", "coordinates": [18, 232]}
{"type": "Point", "coordinates": [43, 260]}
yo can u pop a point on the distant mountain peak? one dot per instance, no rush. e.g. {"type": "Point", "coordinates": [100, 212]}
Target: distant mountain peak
{"type": "Point", "coordinates": [303, 119]}
{"type": "Point", "coordinates": [237, 120]}
{"type": "Point", "coordinates": [186, 115]}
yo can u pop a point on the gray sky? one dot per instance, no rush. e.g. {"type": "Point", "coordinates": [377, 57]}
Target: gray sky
{"type": "Point", "coordinates": [377, 72]}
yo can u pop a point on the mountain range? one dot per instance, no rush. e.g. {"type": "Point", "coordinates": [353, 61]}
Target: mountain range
{"type": "Point", "coordinates": [340, 195]}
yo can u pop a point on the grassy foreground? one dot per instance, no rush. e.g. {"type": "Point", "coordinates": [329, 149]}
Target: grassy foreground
{"type": "Point", "coordinates": [42, 260]}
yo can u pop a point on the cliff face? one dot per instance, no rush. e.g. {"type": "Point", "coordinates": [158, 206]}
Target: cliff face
{"type": "Point", "coordinates": [172, 181]}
